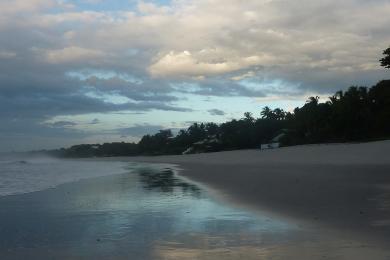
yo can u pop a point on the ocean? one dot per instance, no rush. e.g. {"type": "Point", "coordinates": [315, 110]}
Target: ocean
{"type": "Point", "coordinates": [29, 174]}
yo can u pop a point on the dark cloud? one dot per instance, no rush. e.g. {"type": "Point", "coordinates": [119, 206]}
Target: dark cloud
{"type": "Point", "coordinates": [30, 134]}
{"type": "Point", "coordinates": [220, 87]}
{"type": "Point", "coordinates": [216, 112]}
{"type": "Point", "coordinates": [62, 124]}
{"type": "Point", "coordinates": [138, 130]}
{"type": "Point", "coordinates": [44, 106]}
{"type": "Point", "coordinates": [94, 121]}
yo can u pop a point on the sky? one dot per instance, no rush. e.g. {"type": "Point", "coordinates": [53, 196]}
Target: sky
{"type": "Point", "coordinates": [94, 71]}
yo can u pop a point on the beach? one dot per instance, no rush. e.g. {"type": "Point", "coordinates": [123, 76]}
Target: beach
{"type": "Point", "coordinates": [340, 187]}
{"type": "Point", "coordinates": [303, 202]}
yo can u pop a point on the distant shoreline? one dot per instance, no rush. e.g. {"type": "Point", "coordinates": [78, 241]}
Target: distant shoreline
{"type": "Point", "coordinates": [345, 186]}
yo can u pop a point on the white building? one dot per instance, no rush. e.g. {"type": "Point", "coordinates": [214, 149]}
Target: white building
{"type": "Point", "coordinates": [270, 146]}
{"type": "Point", "coordinates": [274, 143]}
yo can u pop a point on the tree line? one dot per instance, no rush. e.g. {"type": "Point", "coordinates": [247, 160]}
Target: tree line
{"type": "Point", "coordinates": [358, 114]}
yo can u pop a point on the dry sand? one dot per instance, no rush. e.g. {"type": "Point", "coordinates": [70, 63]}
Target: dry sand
{"type": "Point", "coordinates": [342, 186]}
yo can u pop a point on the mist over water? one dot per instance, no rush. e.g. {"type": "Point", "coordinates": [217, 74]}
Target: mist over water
{"type": "Point", "coordinates": [28, 174]}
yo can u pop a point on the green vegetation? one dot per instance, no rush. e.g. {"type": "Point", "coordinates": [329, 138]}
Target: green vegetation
{"type": "Point", "coordinates": [385, 61]}
{"type": "Point", "coordinates": [358, 114]}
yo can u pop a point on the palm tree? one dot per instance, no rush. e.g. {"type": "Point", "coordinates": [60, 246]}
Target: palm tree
{"type": "Point", "coordinates": [336, 97]}
{"type": "Point", "coordinates": [266, 113]}
{"type": "Point", "coordinates": [279, 114]}
{"type": "Point", "coordinates": [248, 117]}
{"type": "Point", "coordinates": [313, 100]}
{"type": "Point", "coordinates": [385, 62]}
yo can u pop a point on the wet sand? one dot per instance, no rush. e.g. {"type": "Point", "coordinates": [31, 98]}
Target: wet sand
{"type": "Point", "coordinates": [341, 187]}
{"type": "Point", "coordinates": [151, 213]}
{"type": "Point", "coordinates": [146, 213]}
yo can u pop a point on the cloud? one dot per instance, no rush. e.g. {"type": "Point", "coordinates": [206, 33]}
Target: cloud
{"type": "Point", "coordinates": [188, 64]}
{"type": "Point", "coordinates": [63, 124]}
{"type": "Point", "coordinates": [7, 54]}
{"type": "Point", "coordinates": [72, 54]}
{"type": "Point", "coordinates": [150, 8]}
{"type": "Point", "coordinates": [207, 39]}
{"type": "Point", "coordinates": [29, 134]}
{"type": "Point", "coordinates": [36, 107]}
{"type": "Point", "coordinates": [95, 121]}
{"type": "Point", "coordinates": [21, 6]}
{"type": "Point", "coordinates": [92, 1]}
{"type": "Point", "coordinates": [225, 88]}
{"type": "Point", "coordinates": [216, 112]}
{"type": "Point", "coordinates": [138, 130]}
{"type": "Point", "coordinates": [248, 74]}
{"type": "Point", "coordinates": [130, 87]}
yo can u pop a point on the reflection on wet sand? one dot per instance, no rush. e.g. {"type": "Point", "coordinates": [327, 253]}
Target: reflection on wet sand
{"type": "Point", "coordinates": [325, 248]}
{"type": "Point", "coordinates": [151, 213]}
{"type": "Point", "coordinates": [166, 181]}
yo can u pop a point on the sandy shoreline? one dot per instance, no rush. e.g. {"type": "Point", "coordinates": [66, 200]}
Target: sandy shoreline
{"type": "Point", "coordinates": [149, 213]}
{"type": "Point", "coordinates": [345, 186]}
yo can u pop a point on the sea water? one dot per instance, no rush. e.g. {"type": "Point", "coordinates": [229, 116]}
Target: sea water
{"type": "Point", "coordinates": [24, 175]}
{"type": "Point", "coordinates": [90, 209]}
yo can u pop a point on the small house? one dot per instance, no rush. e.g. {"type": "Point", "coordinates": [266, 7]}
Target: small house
{"type": "Point", "coordinates": [270, 146]}
{"type": "Point", "coordinates": [274, 142]}
{"type": "Point", "coordinates": [210, 144]}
